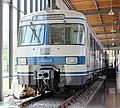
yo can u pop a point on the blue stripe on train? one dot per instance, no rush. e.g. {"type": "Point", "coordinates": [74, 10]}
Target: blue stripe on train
{"type": "Point", "coordinates": [85, 72]}
{"type": "Point", "coordinates": [24, 73]}
{"type": "Point", "coordinates": [60, 72]}
{"type": "Point", "coordinates": [56, 60]}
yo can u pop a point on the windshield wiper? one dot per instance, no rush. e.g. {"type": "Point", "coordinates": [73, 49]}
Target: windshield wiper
{"type": "Point", "coordinates": [32, 27]}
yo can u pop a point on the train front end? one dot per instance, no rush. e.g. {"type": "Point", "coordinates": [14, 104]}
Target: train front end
{"type": "Point", "coordinates": [51, 51]}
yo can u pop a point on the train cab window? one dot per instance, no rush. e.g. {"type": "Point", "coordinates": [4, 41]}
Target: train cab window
{"type": "Point", "coordinates": [31, 35]}
{"type": "Point", "coordinates": [67, 34]}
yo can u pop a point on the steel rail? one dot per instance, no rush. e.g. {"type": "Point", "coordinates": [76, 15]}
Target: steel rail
{"type": "Point", "coordinates": [72, 100]}
{"type": "Point", "coordinates": [34, 99]}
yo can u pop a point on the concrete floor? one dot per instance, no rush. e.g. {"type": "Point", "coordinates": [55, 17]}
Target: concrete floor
{"type": "Point", "coordinates": [106, 97]}
{"type": "Point", "coordinates": [9, 102]}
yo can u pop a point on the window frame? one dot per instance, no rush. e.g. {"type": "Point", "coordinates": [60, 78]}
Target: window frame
{"type": "Point", "coordinates": [92, 44]}
{"type": "Point", "coordinates": [19, 40]}
{"type": "Point", "coordinates": [64, 36]}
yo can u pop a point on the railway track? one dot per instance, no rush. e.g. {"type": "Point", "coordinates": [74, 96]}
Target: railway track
{"type": "Point", "coordinates": [81, 98]}
{"type": "Point", "coordinates": [63, 100]}
{"type": "Point", "coordinates": [48, 100]}
{"type": "Point", "coordinates": [24, 104]}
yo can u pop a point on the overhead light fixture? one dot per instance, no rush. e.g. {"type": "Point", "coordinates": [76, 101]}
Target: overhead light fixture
{"type": "Point", "coordinates": [111, 11]}
{"type": "Point", "coordinates": [113, 44]}
{"type": "Point", "coordinates": [112, 29]}
{"type": "Point", "coordinates": [113, 38]}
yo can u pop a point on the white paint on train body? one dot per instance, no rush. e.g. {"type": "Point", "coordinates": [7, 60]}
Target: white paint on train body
{"type": "Point", "coordinates": [60, 40]}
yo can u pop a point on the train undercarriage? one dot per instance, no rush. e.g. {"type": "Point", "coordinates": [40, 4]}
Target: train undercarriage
{"type": "Point", "coordinates": [48, 79]}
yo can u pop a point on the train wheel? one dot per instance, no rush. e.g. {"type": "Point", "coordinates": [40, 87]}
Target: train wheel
{"type": "Point", "coordinates": [40, 86]}
{"type": "Point", "coordinates": [54, 86]}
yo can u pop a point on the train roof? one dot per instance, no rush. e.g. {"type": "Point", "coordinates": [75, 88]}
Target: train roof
{"type": "Point", "coordinates": [67, 13]}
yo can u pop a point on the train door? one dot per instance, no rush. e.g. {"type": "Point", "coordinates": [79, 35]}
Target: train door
{"type": "Point", "coordinates": [94, 53]}
{"type": "Point", "coordinates": [88, 48]}
{"type": "Point", "coordinates": [92, 56]}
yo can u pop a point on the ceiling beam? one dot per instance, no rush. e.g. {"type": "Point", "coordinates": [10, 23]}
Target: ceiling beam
{"type": "Point", "coordinates": [100, 12]}
{"type": "Point", "coordinates": [108, 38]}
{"type": "Point", "coordinates": [112, 47]}
{"type": "Point", "coordinates": [100, 18]}
{"type": "Point", "coordinates": [68, 4]}
{"type": "Point", "coordinates": [101, 33]}
{"type": "Point", "coordinates": [109, 24]}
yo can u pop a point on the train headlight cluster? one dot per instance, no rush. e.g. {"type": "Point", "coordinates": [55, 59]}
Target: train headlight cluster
{"type": "Point", "coordinates": [71, 60]}
{"type": "Point", "coordinates": [22, 61]}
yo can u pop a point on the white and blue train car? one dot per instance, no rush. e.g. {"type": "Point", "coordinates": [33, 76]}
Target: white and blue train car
{"type": "Point", "coordinates": [57, 49]}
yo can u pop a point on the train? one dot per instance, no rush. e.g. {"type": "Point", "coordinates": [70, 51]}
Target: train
{"type": "Point", "coordinates": [57, 50]}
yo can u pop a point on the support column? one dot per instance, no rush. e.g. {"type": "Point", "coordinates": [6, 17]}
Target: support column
{"type": "Point", "coordinates": [1, 49]}
{"type": "Point", "coordinates": [18, 13]}
{"type": "Point", "coordinates": [10, 43]}
{"type": "Point", "coordinates": [36, 5]}
{"type": "Point", "coordinates": [44, 4]}
{"type": "Point", "coordinates": [116, 56]}
{"type": "Point", "coordinates": [48, 3]}
{"type": "Point", "coordinates": [40, 5]}
{"type": "Point", "coordinates": [31, 6]}
{"type": "Point", "coordinates": [25, 7]}
{"type": "Point", "coordinates": [52, 4]}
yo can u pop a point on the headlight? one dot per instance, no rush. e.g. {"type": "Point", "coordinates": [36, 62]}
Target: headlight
{"type": "Point", "coordinates": [71, 60]}
{"type": "Point", "coordinates": [22, 61]}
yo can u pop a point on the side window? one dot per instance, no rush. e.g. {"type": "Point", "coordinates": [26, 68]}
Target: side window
{"type": "Point", "coordinates": [77, 33]}
{"type": "Point", "coordinates": [97, 51]}
{"type": "Point", "coordinates": [101, 53]}
{"type": "Point", "coordinates": [91, 44]}
{"type": "Point", "coordinates": [81, 34]}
